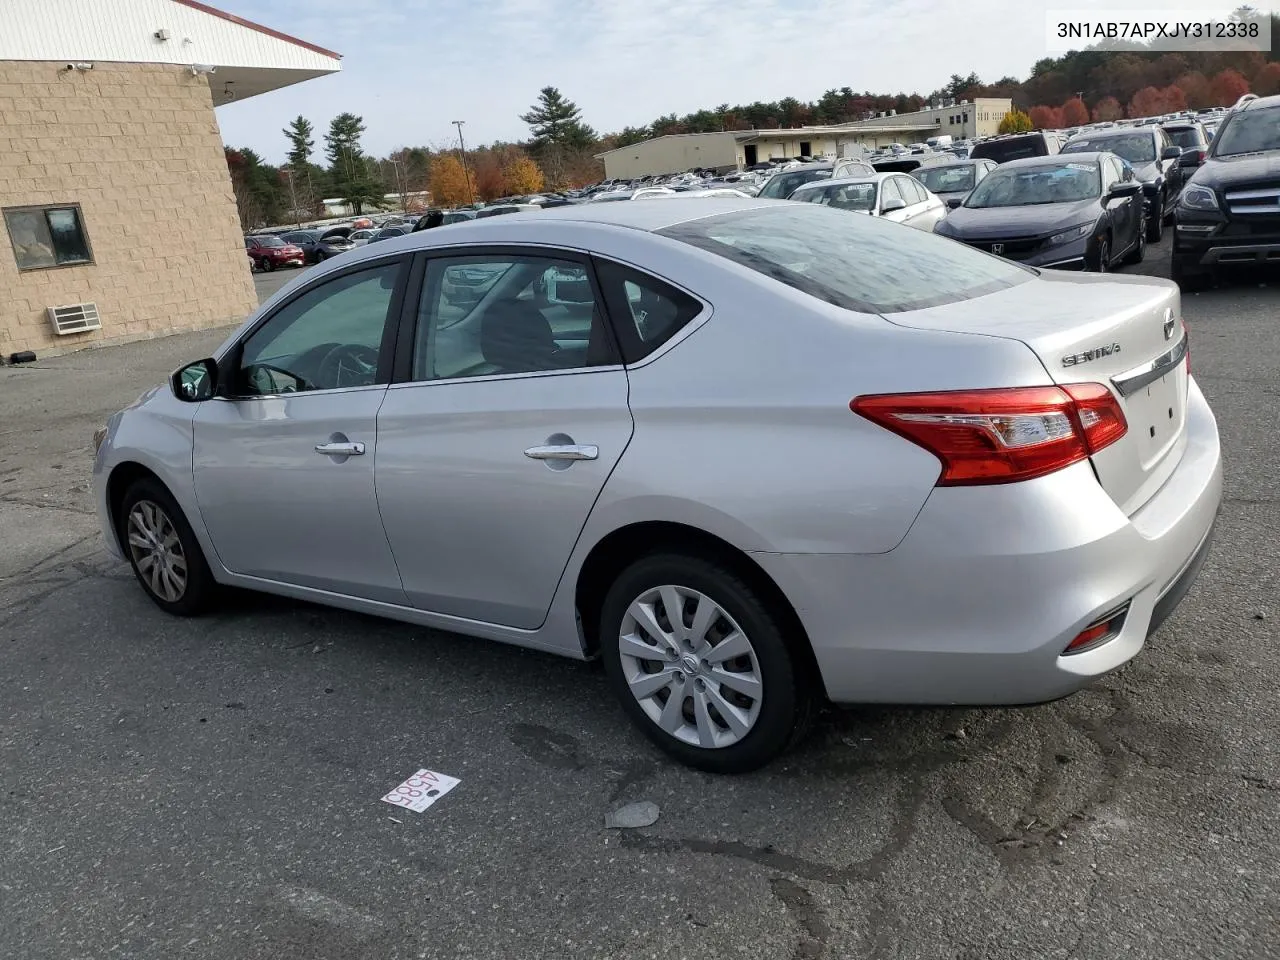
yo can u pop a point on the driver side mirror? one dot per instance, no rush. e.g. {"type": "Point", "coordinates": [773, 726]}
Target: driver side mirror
{"type": "Point", "coordinates": [895, 203]}
{"type": "Point", "coordinates": [1171, 153]}
{"type": "Point", "coordinates": [196, 381]}
{"type": "Point", "coordinates": [1125, 188]}
{"type": "Point", "coordinates": [954, 202]}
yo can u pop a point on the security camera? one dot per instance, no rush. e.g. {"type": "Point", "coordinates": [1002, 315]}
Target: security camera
{"type": "Point", "coordinates": [202, 68]}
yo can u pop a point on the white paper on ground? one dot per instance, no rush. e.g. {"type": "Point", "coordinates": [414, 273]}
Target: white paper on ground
{"type": "Point", "coordinates": [421, 790]}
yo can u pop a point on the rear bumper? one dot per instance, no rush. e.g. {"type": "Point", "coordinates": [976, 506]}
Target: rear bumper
{"type": "Point", "coordinates": [977, 603]}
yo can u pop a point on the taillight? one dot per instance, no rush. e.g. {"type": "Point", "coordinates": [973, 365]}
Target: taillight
{"type": "Point", "coordinates": [1005, 435]}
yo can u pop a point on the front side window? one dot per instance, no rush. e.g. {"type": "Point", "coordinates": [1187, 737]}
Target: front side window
{"type": "Point", "coordinates": [853, 262]}
{"type": "Point", "coordinates": [889, 191]}
{"type": "Point", "coordinates": [911, 190]}
{"type": "Point", "coordinates": [499, 315]}
{"type": "Point", "coordinates": [45, 237]}
{"type": "Point", "coordinates": [328, 338]}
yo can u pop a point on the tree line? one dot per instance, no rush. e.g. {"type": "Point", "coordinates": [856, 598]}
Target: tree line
{"type": "Point", "coordinates": [1104, 82]}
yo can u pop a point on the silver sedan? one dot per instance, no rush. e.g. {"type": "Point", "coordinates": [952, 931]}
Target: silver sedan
{"type": "Point", "coordinates": [755, 455]}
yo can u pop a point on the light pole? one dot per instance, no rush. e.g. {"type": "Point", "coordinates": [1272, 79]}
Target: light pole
{"type": "Point", "coordinates": [462, 155]}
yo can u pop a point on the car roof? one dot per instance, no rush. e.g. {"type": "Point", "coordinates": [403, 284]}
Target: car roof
{"type": "Point", "coordinates": [1107, 132]}
{"type": "Point", "coordinates": [1055, 160]}
{"type": "Point", "coordinates": [865, 178]}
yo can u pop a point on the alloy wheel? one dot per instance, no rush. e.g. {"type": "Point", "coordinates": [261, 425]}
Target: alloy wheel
{"type": "Point", "coordinates": [156, 550]}
{"type": "Point", "coordinates": [690, 667]}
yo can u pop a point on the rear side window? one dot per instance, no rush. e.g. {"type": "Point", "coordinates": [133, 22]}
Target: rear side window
{"type": "Point", "coordinates": [646, 311]}
{"type": "Point", "coordinates": [857, 263]}
{"type": "Point", "coordinates": [1015, 148]}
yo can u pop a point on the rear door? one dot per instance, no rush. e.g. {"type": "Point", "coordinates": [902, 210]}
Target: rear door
{"type": "Point", "coordinates": [1124, 332]}
{"type": "Point", "coordinates": [508, 414]}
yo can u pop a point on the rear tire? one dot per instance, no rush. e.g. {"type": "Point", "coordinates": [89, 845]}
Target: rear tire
{"type": "Point", "coordinates": [738, 707]}
{"type": "Point", "coordinates": [163, 551]}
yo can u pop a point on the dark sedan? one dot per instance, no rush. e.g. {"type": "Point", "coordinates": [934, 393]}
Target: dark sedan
{"type": "Point", "coordinates": [1078, 212]}
{"type": "Point", "coordinates": [1154, 158]}
{"type": "Point", "coordinates": [386, 233]}
{"type": "Point", "coordinates": [952, 180]}
{"type": "Point", "coordinates": [317, 247]}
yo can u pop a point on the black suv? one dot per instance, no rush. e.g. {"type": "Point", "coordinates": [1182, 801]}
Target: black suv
{"type": "Point", "coordinates": [1229, 211]}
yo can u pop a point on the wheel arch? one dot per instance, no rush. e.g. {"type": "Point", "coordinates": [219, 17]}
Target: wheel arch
{"type": "Point", "coordinates": [614, 552]}
{"type": "Point", "coordinates": [124, 475]}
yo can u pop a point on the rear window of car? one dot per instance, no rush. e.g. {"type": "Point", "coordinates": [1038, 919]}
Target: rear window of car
{"type": "Point", "coordinates": [858, 263]}
{"type": "Point", "coordinates": [1015, 148]}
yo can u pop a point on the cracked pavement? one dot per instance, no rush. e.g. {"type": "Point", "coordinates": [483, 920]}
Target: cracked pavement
{"type": "Point", "coordinates": [210, 788]}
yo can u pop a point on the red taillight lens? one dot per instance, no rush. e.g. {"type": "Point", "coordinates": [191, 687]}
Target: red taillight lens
{"type": "Point", "coordinates": [1001, 436]}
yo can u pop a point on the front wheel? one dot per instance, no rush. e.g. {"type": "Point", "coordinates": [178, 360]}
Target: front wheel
{"type": "Point", "coordinates": [1189, 279]}
{"type": "Point", "coordinates": [700, 660]}
{"type": "Point", "coordinates": [268, 265]}
{"type": "Point", "coordinates": [163, 551]}
{"type": "Point", "coordinates": [1102, 258]}
{"type": "Point", "coordinates": [1155, 222]}
{"type": "Point", "coordinates": [1139, 251]}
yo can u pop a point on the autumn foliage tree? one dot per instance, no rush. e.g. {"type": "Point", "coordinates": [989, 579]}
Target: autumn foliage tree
{"type": "Point", "coordinates": [449, 186]}
{"type": "Point", "coordinates": [1195, 86]}
{"type": "Point", "coordinates": [1074, 113]}
{"type": "Point", "coordinates": [1151, 102]}
{"type": "Point", "coordinates": [521, 175]}
{"type": "Point", "coordinates": [1228, 87]}
{"type": "Point", "coordinates": [1015, 121]}
{"type": "Point", "coordinates": [1108, 108]}
{"type": "Point", "coordinates": [1266, 82]}
{"type": "Point", "coordinates": [1046, 118]}
{"type": "Point", "coordinates": [486, 173]}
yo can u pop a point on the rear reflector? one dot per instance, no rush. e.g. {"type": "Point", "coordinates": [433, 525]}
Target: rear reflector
{"type": "Point", "coordinates": [1102, 630]}
{"type": "Point", "coordinates": [1001, 436]}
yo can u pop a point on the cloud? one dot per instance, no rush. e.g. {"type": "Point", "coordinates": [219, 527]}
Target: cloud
{"type": "Point", "coordinates": [411, 67]}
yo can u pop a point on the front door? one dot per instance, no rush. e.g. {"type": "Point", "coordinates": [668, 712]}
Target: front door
{"type": "Point", "coordinates": [284, 459]}
{"type": "Point", "coordinates": [492, 452]}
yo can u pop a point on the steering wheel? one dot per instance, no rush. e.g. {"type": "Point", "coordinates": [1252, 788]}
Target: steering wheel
{"type": "Point", "coordinates": [347, 365]}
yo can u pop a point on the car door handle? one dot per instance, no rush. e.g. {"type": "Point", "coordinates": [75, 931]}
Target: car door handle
{"type": "Point", "coordinates": [345, 449]}
{"type": "Point", "coordinates": [564, 451]}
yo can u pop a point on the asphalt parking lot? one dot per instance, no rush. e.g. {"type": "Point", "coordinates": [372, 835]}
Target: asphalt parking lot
{"type": "Point", "coordinates": [210, 788]}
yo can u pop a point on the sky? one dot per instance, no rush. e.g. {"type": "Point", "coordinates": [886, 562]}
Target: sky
{"type": "Point", "coordinates": [411, 67]}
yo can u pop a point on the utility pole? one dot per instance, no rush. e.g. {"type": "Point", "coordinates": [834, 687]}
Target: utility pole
{"type": "Point", "coordinates": [462, 155]}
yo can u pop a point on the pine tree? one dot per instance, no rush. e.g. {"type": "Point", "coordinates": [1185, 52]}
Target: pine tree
{"type": "Point", "coordinates": [355, 178]}
{"type": "Point", "coordinates": [557, 121]}
{"type": "Point", "coordinates": [300, 135]}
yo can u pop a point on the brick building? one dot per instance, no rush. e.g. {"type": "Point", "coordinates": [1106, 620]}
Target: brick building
{"type": "Point", "coordinates": [115, 200]}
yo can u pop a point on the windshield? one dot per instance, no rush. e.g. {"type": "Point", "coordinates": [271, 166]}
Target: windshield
{"type": "Point", "coordinates": [270, 242]}
{"type": "Point", "coordinates": [1185, 136]}
{"type": "Point", "coordinates": [858, 263]}
{"type": "Point", "coordinates": [1135, 147]}
{"type": "Point", "coordinates": [1249, 132]}
{"type": "Point", "coordinates": [1022, 187]}
{"type": "Point", "coordinates": [846, 196]}
{"type": "Point", "coordinates": [955, 179]}
{"type": "Point", "coordinates": [782, 185]}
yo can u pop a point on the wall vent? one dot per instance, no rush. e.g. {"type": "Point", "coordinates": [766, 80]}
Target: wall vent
{"type": "Point", "coordinates": [74, 318]}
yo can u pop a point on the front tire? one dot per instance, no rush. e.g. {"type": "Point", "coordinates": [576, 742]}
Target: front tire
{"type": "Point", "coordinates": [1139, 252]}
{"type": "Point", "coordinates": [268, 265]}
{"type": "Point", "coordinates": [700, 661]}
{"type": "Point", "coordinates": [163, 551]}
{"type": "Point", "coordinates": [1189, 279]}
{"type": "Point", "coordinates": [1155, 223]}
{"type": "Point", "coordinates": [1102, 259]}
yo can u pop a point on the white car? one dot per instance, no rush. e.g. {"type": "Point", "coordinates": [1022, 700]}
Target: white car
{"type": "Point", "coordinates": [897, 197]}
{"type": "Point", "coordinates": [754, 455]}
{"type": "Point", "coordinates": [361, 237]}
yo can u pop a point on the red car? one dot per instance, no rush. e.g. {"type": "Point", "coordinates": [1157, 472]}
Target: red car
{"type": "Point", "coordinates": [269, 252]}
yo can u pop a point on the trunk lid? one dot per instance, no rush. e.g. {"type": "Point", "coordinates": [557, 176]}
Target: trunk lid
{"type": "Point", "coordinates": [1124, 332]}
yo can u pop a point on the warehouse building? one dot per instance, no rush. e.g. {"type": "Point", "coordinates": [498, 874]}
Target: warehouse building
{"type": "Point", "coordinates": [117, 218]}
{"type": "Point", "coordinates": [735, 149]}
